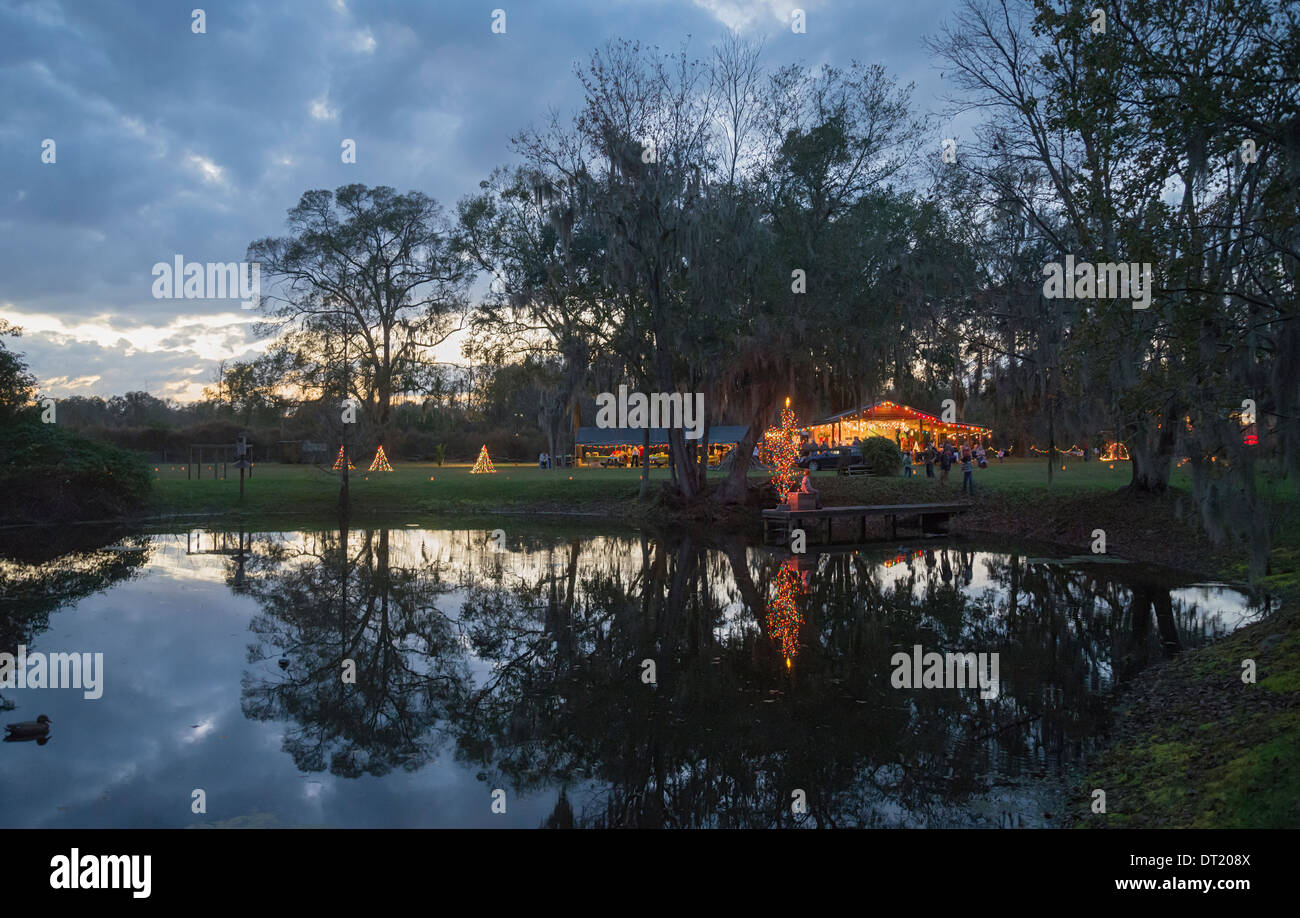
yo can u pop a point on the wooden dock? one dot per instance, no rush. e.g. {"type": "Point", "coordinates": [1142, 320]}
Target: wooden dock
{"type": "Point", "coordinates": [931, 519]}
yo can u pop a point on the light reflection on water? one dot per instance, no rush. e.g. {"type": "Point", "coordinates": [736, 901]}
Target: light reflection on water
{"type": "Point", "coordinates": [523, 670]}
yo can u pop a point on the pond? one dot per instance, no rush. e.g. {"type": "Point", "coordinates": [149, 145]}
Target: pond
{"type": "Point", "coordinates": [511, 674]}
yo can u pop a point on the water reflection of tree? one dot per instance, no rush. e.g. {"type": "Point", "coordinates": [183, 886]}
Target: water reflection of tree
{"type": "Point", "coordinates": [42, 571]}
{"type": "Point", "coordinates": [34, 583]}
{"type": "Point", "coordinates": [336, 597]}
{"type": "Point", "coordinates": [728, 733]}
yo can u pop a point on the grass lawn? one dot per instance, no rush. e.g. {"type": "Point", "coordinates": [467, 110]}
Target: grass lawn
{"type": "Point", "coordinates": [1011, 498]}
{"type": "Point", "coordinates": [410, 487]}
{"type": "Point", "coordinates": [417, 486]}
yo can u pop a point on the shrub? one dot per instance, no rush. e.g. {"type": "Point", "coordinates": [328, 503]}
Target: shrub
{"type": "Point", "coordinates": [48, 474]}
{"type": "Point", "coordinates": [882, 456]}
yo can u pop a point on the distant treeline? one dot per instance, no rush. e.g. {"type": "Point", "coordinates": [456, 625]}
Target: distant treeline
{"type": "Point", "coordinates": [165, 430]}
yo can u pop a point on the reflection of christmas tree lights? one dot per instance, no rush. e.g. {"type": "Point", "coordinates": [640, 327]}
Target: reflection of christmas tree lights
{"type": "Point", "coordinates": [903, 557]}
{"type": "Point", "coordinates": [783, 618]}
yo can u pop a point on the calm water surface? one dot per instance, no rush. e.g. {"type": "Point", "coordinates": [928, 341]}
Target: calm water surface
{"type": "Point", "coordinates": [520, 662]}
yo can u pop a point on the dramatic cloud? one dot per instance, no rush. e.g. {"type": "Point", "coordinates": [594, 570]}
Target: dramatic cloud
{"type": "Point", "coordinates": [169, 142]}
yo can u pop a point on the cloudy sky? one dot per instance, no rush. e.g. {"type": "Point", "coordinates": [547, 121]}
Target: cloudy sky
{"type": "Point", "coordinates": [173, 143]}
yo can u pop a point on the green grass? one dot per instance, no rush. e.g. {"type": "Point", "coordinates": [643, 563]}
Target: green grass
{"type": "Point", "coordinates": [1010, 497]}
{"type": "Point", "coordinates": [424, 486]}
{"type": "Point", "coordinates": [1071, 475]}
{"type": "Point", "coordinates": [410, 487]}
{"type": "Point", "coordinates": [1197, 747]}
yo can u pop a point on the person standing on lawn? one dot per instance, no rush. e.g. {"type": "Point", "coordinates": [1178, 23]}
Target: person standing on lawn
{"type": "Point", "coordinates": [967, 474]}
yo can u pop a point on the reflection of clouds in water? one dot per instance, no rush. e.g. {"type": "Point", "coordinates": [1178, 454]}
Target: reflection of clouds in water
{"type": "Point", "coordinates": [174, 663]}
{"type": "Point", "coordinates": [202, 731]}
{"type": "Point", "coordinates": [1221, 606]}
{"type": "Point", "coordinates": [469, 555]}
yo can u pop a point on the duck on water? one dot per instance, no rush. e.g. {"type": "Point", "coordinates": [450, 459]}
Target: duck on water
{"type": "Point", "coordinates": [38, 729]}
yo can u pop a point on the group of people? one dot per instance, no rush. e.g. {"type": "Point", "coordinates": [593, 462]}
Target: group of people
{"type": "Point", "coordinates": [630, 458]}
{"type": "Point", "coordinates": [946, 456]}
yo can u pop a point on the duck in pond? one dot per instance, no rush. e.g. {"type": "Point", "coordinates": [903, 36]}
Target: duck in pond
{"type": "Point", "coordinates": [27, 730]}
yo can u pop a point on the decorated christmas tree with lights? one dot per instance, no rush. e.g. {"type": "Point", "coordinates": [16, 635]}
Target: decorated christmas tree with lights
{"type": "Point", "coordinates": [381, 462]}
{"type": "Point", "coordinates": [483, 466]}
{"type": "Point", "coordinates": [340, 463]}
{"type": "Point", "coordinates": [779, 451]}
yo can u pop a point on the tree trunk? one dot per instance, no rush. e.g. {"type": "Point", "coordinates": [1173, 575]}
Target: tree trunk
{"type": "Point", "coordinates": [645, 466]}
{"type": "Point", "coordinates": [1152, 457]}
{"type": "Point", "coordinates": [732, 490]}
{"type": "Point", "coordinates": [683, 468]}
{"type": "Point", "coordinates": [1051, 446]}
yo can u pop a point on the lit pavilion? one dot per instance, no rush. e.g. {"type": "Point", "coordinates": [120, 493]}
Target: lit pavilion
{"type": "Point", "coordinates": [905, 425]}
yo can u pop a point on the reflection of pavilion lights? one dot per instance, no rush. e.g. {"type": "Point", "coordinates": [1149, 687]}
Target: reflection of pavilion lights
{"type": "Point", "coordinates": [783, 618]}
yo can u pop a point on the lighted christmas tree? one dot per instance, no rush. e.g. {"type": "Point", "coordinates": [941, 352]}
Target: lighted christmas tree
{"type": "Point", "coordinates": [783, 618]}
{"type": "Point", "coordinates": [340, 462]}
{"type": "Point", "coordinates": [484, 464]}
{"type": "Point", "coordinates": [780, 449]}
{"type": "Point", "coordinates": [381, 462]}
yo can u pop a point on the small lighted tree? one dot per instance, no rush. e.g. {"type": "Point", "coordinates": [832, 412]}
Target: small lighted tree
{"type": "Point", "coordinates": [381, 462]}
{"type": "Point", "coordinates": [342, 462]}
{"type": "Point", "coordinates": [483, 465]}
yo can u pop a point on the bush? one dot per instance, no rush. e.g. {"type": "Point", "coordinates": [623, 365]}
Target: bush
{"type": "Point", "coordinates": [48, 475]}
{"type": "Point", "coordinates": [411, 445]}
{"type": "Point", "coordinates": [882, 456]}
